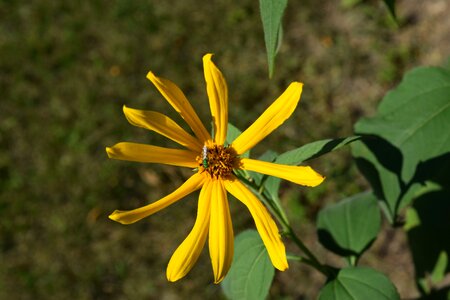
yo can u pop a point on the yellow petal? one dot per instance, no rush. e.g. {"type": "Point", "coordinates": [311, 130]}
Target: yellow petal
{"type": "Point", "coordinates": [180, 103]}
{"type": "Point", "coordinates": [163, 125]}
{"type": "Point", "coordinates": [184, 258]}
{"type": "Point", "coordinates": [264, 223]}
{"type": "Point", "coordinates": [216, 87]}
{"type": "Point", "coordinates": [220, 232]}
{"type": "Point", "coordinates": [297, 174]}
{"type": "Point", "coordinates": [131, 216]}
{"type": "Point", "coordinates": [274, 116]}
{"type": "Point", "coordinates": [152, 154]}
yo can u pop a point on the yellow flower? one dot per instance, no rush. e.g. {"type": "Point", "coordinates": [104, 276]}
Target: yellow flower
{"type": "Point", "coordinates": [215, 163]}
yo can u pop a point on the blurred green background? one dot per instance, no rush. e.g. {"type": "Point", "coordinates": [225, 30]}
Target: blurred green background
{"type": "Point", "coordinates": [66, 69]}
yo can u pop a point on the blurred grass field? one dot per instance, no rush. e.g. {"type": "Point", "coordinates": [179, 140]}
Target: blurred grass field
{"type": "Point", "coordinates": [66, 69]}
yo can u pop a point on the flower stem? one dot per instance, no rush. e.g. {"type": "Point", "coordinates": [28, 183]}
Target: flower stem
{"type": "Point", "coordinates": [308, 262]}
{"type": "Point", "coordinates": [312, 260]}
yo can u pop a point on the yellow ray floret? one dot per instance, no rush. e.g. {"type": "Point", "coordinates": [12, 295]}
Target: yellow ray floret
{"type": "Point", "coordinates": [163, 125]}
{"type": "Point", "coordinates": [186, 255]}
{"type": "Point", "coordinates": [297, 174]}
{"type": "Point", "coordinates": [264, 223]}
{"type": "Point", "coordinates": [152, 154]}
{"type": "Point", "coordinates": [217, 90]}
{"type": "Point", "coordinates": [272, 117]}
{"type": "Point", "coordinates": [220, 232]}
{"type": "Point", "coordinates": [179, 102]}
{"type": "Point", "coordinates": [131, 216]}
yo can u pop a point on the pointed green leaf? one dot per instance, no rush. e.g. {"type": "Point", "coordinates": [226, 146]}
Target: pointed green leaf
{"type": "Point", "coordinates": [271, 15]}
{"type": "Point", "coordinates": [391, 6]}
{"type": "Point", "coordinates": [349, 226]}
{"type": "Point", "coordinates": [251, 273]}
{"type": "Point", "coordinates": [313, 150]}
{"type": "Point", "coordinates": [440, 268]}
{"type": "Point", "coordinates": [359, 283]}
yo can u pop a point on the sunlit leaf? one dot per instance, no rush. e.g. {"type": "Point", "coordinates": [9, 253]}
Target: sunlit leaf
{"type": "Point", "coordinates": [313, 150]}
{"type": "Point", "coordinates": [414, 118]}
{"type": "Point", "coordinates": [349, 226]}
{"type": "Point", "coordinates": [407, 142]}
{"type": "Point", "coordinates": [440, 267]}
{"type": "Point", "coordinates": [271, 15]}
{"type": "Point", "coordinates": [359, 283]}
{"type": "Point", "coordinates": [251, 273]}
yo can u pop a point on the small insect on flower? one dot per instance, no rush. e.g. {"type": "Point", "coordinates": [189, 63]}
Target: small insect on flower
{"type": "Point", "coordinates": [205, 157]}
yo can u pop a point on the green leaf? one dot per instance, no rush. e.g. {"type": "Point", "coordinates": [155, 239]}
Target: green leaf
{"type": "Point", "coordinates": [359, 283]}
{"type": "Point", "coordinates": [379, 162]}
{"type": "Point", "coordinates": [408, 142]}
{"type": "Point", "coordinates": [391, 6]}
{"type": "Point", "coordinates": [414, 118]}
{"type": "Point", "coordinates": [349, 226]}
{"type": "Point", "coordinates": [271, 15]}
{"type": "Point", "coordinates": [411, 219]}
{"type": "Point", "coordinates": [440, 268]}
{"type": "Point", "coordinates": [313, 150]}
{"type": "Point", "coordinates": [251, 273]}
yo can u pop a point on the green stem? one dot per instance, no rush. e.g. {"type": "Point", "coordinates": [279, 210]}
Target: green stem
{"type": "Point", "coordinates": [299, 258]}
{"type": "Point", "coordinates": [295, 257]}
{"type": "Point", "coordinates": [282, 214]}
{"type": "Point", "coordinates": [324, 270]}
{"type": "Point", "coordinates": [312, 260]}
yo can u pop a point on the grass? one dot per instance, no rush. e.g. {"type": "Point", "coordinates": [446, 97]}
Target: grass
{"type": "Point", "coordinates": [66, 71]}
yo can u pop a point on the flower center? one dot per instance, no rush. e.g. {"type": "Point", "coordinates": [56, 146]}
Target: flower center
{"type": "Point", "coordinates": [218, 160]}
